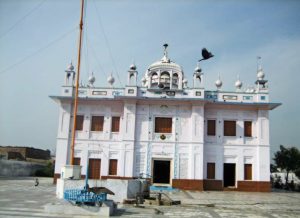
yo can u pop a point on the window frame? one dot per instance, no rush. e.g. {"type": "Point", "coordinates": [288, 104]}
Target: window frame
{"type": "Point", "coordinates": [213, 175]}
{"type": "Point", "coordinates": [207, 127]}
{"type": "Point", "coordinates": [245, 130]}
{"type": "Point", "coordinates": [112, 126]}
{"type": "Point", "coordinates": [225, 132]}
{"type": "Point", "coordinates": [246, 175]}
{"type": "Point", "coordinates": [113, 172]}
{"type": "Point", "coordinates": [156, 130]}
{"type": "Point", "coordinates": [101, 128]}
{"type": "Point", "coordinates": [82, 123]}
{"type": "Point", "coordinates": [77, 161]}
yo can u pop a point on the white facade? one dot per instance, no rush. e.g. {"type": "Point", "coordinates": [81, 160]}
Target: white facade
{"type": "Point", "coordinates": [183, 153]}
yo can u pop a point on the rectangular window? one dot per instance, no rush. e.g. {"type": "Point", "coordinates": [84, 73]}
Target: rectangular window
{"type": "Point", "coordinates": [247, 97]}
{"type": "Point", "coordinates": [113, 166]}
{"type": "Point", "coordinates": [163, 125]}
{"type": "Point", "coordinates": [229, 128]}
{"type": "Point", "coordinates": [211, 127]}
{"type": "Point", "coordinates": [247, 128]}
{"type": "Point", "coordinates": [76, 161]}
{"type": "Point", "coordinates": [94, 168]}
{"type": "Point", "coordinates": [97, 123]}
{"type": "Point", "coordinates": [79, 122]}
{"type": "Point", "coordinates": [115, 124]}
{"type": "Point", "coordinates": [248, 172]}
{"type": "Point", "coordinates": [210, 170]}
{"type": "Point", "coordinates": [229, 97]}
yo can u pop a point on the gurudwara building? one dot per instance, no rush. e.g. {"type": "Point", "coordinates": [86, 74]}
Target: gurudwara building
{"type": "Point", "coordinates": [162, 129]}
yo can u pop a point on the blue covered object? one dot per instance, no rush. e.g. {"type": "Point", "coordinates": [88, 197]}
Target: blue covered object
{"type": "Point", "coordinates": [162, 188]}
{"type": "Point", "coordinates": [84, 196]}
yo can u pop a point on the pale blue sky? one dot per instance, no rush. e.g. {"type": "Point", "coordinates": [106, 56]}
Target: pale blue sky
{"type": "Point", "coordinates": [32, 67]}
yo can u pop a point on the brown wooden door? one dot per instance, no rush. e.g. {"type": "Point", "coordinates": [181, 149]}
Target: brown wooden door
{"type": "Point", "coordinates": [94, 168]}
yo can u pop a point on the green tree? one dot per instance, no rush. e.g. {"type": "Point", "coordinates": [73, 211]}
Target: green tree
{"type": "Point", "coordinates": [287, 159]}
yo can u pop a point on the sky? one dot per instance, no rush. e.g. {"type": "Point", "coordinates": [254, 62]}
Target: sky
{"type": "Point", "coordinates": [38, 39]}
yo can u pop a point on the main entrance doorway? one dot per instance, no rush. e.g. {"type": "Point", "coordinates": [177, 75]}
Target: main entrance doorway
{"type": "Point", "coordinates": [229, 175]}
{"type": "Point", "coordinates": [161, 171]}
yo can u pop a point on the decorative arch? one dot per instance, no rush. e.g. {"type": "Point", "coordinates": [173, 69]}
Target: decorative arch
{"type": "Point", "coordinates": [165, 77]}
{"type": "Point", "coordinates": [154, 79]}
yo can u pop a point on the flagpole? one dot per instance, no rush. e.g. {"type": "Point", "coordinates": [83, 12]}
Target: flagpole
{"type": "Point", "coordinates": [77, 85]}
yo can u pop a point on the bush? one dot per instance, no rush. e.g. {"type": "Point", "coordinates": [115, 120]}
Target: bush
{"type": "Point", "coordinates": [47, 171]}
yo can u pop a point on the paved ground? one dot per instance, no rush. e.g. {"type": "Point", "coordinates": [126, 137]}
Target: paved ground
{"type": "Point", "coordinates": [19, 198]}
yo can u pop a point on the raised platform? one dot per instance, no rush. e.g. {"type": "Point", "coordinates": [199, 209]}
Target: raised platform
{"type": "Point", "coordinates": [123, 189]}
{"type": "Point", "coordinates": [107, 209]}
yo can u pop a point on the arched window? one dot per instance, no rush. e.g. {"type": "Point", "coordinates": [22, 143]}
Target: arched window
{"type": "Point", "coordinates": [165, 77]}
{"type": "Point", "coordinates": [154, 80]}
{"type": "Point", "coordinates": [175, 81]}
{"type": "Point", "coordinates": [131, 79]}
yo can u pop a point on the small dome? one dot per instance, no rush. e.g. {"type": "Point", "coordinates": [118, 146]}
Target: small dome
{"type": "Point", "coordinates": [111, 80]}
{"type": "Point", "coordinates": [132, 67]}
{"type": "Point", "coordinates": [218, 83]}
{"type": "Point", "coordinates": [92, 79]}
{"type": "Point", "coordinates": [260, 74]}
{"type": "Point", "coordinates": [70, 67]}
{"type": "Point", "coordinates": [198, 69]}
{"type": "Point", "coordinates": [238, 84]}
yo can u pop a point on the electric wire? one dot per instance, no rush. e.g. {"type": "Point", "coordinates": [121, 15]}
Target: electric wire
{"type": "Point", "coordinates": [98, 61]}
{"type": "Point", "coordinates": [37, 51]}
{"type": "Point", "coordinates": [22, 19]}
{"type": "Point", "coordinates": [107, 43]}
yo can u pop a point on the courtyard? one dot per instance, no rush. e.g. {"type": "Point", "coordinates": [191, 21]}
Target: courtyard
{"type": "Point", "coordinates": [20, 198]}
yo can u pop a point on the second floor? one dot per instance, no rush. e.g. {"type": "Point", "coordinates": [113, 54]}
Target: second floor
{"type": "Point", "coordinates": [117, 121]}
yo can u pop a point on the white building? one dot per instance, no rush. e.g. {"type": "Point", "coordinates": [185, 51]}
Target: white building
{"type": "Point", "coordinates": [179, 136]}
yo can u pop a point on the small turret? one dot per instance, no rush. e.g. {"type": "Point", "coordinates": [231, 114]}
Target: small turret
{"type": "Point", "coordinates": [132, 75]}
{"type": "Point", "coordinates": [197, 77]}
{"type": "Point", "coordinates": [261, 83]}
{"type": "Point", "coordinates": [70, 72]}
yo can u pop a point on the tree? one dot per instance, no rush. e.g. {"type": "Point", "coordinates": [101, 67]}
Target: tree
{"type": "Point", "coordinates": [273, 168]}
{"type": "Point", "coordinates": [287, 159]}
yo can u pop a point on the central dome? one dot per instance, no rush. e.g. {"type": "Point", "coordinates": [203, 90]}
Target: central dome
{"type": "Point", "coordinates": [163, 64]}
{"type": "Point", "coordinates": [164, 74]}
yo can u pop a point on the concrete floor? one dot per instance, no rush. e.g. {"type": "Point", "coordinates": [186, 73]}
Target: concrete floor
{"type": "Point", "coordinates": [20, 198]}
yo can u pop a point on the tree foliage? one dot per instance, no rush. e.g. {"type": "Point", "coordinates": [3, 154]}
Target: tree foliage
{"type": "Point", "coordinates": [47, 171]}
{"type": "Point", "coordinates": [288, 160]}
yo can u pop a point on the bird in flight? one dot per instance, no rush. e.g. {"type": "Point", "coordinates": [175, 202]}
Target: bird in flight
{"type": "Point", "coordinates": [206, 54]}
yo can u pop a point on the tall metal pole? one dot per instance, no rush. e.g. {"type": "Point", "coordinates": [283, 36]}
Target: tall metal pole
{"type": "Point", "coordinates": [77, 85]}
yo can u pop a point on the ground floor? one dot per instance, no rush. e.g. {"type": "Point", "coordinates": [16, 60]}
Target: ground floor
{"type": "Point", "coordinates": [28, 201]}
{"type": "Point", "coordinates": [188, 166]}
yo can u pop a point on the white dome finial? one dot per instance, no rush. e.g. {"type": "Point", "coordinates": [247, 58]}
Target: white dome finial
{"type": "Point", "coordinates": [238, 84]}
{"type": "Point", "coordinates": [260, 73]}
{"type": "Point", "coordinates": [165, 58]}
{"type": "Point", "coordinates": [111, 80]}
{"type": "Point", "coordinates": [132, 67]}
{"type": "Point", "coordinates": [92, 79]}
{"type": "Point", "coordinates": [219, 83]}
